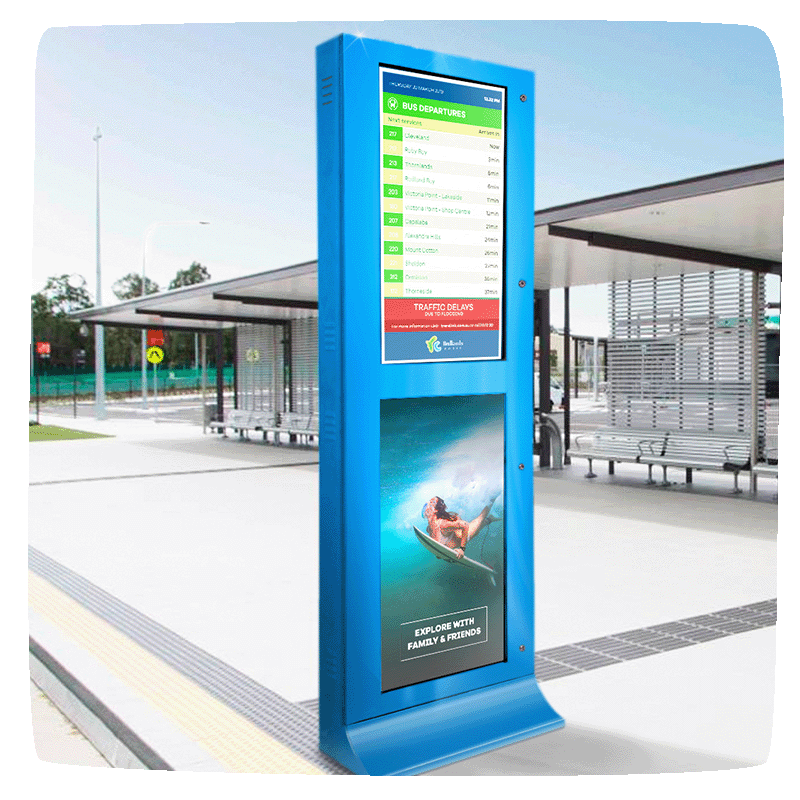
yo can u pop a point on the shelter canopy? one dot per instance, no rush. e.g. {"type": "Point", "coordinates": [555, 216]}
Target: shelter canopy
{"type": "Point", "coordinates": [727, 219]}
{"type": "Point", "coordinates": [275, 296]}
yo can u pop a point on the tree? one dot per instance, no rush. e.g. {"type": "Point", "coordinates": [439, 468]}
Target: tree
{"type": "Point", "coordinates": [196, 273]}
{"type": "Point", "coordinates": [49, 308]}
{"type": "Point", "coordinates": [64, 293]}
{"type": "Point", "coordinates": [130, 286]}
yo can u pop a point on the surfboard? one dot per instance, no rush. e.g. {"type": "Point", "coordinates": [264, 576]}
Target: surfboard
{"type": "Point", "coordinates": [446, 554]}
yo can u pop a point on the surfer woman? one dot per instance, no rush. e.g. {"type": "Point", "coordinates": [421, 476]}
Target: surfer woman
{"type": "Point", "coordinates": [449, 529]}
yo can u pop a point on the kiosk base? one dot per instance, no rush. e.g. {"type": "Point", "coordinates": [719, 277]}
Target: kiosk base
{"type": "Point", "coordinates": [424, 737]}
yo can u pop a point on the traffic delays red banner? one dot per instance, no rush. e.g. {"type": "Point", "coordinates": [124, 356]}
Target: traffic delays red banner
{"type": "Point", "coordinates": [407, 314]}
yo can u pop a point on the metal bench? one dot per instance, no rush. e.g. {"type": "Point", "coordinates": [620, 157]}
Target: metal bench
{"type": "Point", "coordinates": [703, 450]}
{"type": "Point", "coordinates": [619, 445]}
{"type": "Point", "coordinates": [237, 419]}
{"type": "Point", "coordinates": [263, 421]}
{"type": "Point", "coordinates": [304, 426]}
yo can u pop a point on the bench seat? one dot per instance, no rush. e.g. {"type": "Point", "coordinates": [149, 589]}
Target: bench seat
{"type": "Point", "coordinates": [703, 450]}
{"type": "Point", "coordinates": [618, 445]}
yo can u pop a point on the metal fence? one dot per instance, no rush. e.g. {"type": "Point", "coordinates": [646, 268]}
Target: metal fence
{"type": "Point", "coordinates": [126, 383]}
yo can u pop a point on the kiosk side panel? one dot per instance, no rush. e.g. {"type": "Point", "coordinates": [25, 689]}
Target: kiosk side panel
{"type": "Point", "coordinates": [330, 111]}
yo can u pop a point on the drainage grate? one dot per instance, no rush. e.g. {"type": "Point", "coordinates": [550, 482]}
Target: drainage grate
{"type": "Point", "coordinates": [618, 647]}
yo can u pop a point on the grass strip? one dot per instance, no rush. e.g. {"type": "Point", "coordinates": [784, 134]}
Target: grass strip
{"type": "Point", "coordinates": [50, 433]}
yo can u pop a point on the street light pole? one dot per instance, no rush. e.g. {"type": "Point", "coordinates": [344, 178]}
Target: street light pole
{"type": "Point", "coordinates": [99, 330]}
{"type": "Point", "coordinates": [147, 233]}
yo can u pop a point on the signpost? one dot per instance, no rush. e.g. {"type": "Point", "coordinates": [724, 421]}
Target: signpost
{"type": "Point", "coordinates": [43, 351]}
{"type": "Point", "coordinates": [78, 360]}
{"type": "Point", "coordinates": [155, 355]}
{"type": "Point", "coordinates": [425, 186]}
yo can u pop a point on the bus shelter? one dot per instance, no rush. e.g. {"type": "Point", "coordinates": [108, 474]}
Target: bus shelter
{"type": "Point", "coordinates": [273, 317]}
{"type": "Point", "coordinates": [685, 263]}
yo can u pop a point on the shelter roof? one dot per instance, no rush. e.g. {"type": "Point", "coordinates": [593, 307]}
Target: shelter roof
{"type": "Point", "coordinates": [726, 219]}
{"type": "Point", "coordinates": [273, 296]}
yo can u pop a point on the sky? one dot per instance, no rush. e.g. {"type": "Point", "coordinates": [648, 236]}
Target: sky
{"type": "Point", "coordinates": [216, 122]}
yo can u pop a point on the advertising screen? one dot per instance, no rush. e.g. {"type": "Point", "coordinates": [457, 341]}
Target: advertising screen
{"type": "Point", "coordinates": [442, 536]}
{"type": "Point", "coordinates": [442, 190]}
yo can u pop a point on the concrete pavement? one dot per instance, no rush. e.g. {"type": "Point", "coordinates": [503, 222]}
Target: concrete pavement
{"type": "Point", "coordinates": [207, 547]}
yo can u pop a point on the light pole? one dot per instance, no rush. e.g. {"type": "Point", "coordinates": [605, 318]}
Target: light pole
{"type": "Point", "coordinates": [147, 233]}
{"type": "Point", "coordinates": [99, 330]}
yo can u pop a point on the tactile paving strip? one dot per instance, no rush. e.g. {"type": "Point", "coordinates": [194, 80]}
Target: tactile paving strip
{"type": "Point", "coordinates": [231, 741]}
{"type": "Point", "coordinates": [289, 723]}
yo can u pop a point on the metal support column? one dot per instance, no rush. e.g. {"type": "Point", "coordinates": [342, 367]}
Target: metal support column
{"type": "Point", "coordinates": [543, 318]}
{"type": "Point", "coordinates": [220, 377]}
{"type": "Point", "coordinates": [203, 379]}
{"type": "Point", "coordinates": [575, 361]}
{"type": "Point", "coordinates": [566, 377]}
{"type": "Point", "coordinates": [236, 371]}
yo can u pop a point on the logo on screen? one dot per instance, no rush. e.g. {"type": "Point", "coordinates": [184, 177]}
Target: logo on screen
{"type": "Point", "coordinates": [393, 103]}
{"type": "Point", "coordinates": [434, 346]}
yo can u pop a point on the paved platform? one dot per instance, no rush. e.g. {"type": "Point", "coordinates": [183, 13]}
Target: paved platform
{"type": "Point", "coordinates": [173, 578]}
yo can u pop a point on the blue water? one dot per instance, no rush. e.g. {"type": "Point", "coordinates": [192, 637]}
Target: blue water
{"type": "Point", "coordinates": [453, 448]}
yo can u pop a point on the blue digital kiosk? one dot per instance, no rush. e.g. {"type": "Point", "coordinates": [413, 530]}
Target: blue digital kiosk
{"type": "Point", "coordinates": [425, 193]}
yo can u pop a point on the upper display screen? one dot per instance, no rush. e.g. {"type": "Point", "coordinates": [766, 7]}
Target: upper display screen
{"type": "Point", "coordinates": [443, 217]}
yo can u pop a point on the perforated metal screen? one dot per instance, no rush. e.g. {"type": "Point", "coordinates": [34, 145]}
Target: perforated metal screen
{"type": "Point", "coordinates": [277, 366]}
{"type": "Point", "coordinates": [260, 367]}
{"type": "Point", "coordinates": [304, 373]}
{"type": "Point", "coordinates": [679, 352]}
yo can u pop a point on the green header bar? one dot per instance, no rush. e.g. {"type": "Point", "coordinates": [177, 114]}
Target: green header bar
{"type": "Point", "coordinates": [441, 110]}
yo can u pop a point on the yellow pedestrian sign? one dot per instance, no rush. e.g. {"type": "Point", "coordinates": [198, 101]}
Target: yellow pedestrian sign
{"type": "Point", "coordinates": [155, 355]}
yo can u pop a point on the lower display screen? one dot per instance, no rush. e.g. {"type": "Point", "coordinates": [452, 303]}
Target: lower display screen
{"type": "Point", "coordinates": [442, 536]}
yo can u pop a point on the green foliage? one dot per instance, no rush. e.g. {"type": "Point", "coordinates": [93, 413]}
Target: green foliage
{"type": "Point", "coordinates": [49, 308]}
{"type": "Point", "coordinates": [62, 294]}
{"type": "Point", "coordinates": [196, 273]}
{"type": "Point", "coordinates": [123, 346]}
{"type": "Point", "coordinates": [130, 286]}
